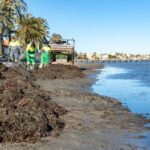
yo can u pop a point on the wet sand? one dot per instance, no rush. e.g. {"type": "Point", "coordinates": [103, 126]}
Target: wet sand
{"type": "Point", "coordinates": [93, 122]}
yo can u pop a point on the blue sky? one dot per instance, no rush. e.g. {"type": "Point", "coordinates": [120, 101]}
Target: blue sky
{"type": "Point", "coordinates": [103, 26]}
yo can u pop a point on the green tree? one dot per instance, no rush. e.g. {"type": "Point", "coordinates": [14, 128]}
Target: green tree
{"type": "Point", "coordinates": [5, 22]}
{"type": "Point", "coordinates": [80, 55]}
{"type": "Point", "coordinates": [14, 8]}
{"type": "Point", "coordinates": [32, 29]}
{"type": "Point", "coordinates": [85, 56]}
{"type": "Point", "coordinates": [94, 55]}
{"type": "Point", "coordinates": [110, 56]}
{"type": "Point", "coordinates": [56, 38]}
{"type": "Point", "coordinates": [10, 10]}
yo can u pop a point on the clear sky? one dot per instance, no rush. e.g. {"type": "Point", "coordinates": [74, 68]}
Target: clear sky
{"type": "Point", "coordinates": [103, 26]}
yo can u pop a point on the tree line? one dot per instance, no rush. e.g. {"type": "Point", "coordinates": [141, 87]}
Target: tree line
{"type": "Point", "coordinates": [15, 18]}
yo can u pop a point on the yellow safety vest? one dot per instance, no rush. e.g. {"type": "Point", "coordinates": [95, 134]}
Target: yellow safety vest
{"type": "Point", "coordinates": [13, 43]}
{"type": "Point", "coordinates": [18, 43]}
{"type": "Point", "coordinates": [31, 49]}
{"type": "Point", "coordinates": [46, 48]}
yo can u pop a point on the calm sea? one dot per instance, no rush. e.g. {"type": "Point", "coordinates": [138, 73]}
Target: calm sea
{"type": "Point", "coordinates": [127, 82]}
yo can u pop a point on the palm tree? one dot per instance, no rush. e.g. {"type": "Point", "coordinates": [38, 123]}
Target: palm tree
{"type": "Point", "coordinates": [10, 10]}
{"type": "Point", "coordinates": [5, 23]}
{"type": "Point", "coordinates": [94, 55]}
{"type": "Point", "coordinates": [14, 8]}
{"type": "Point", "coordinates": [32, 29]}
{"type": "Point", "coordinates": [56, 38]}
{"type": "Point", "coordinates": [85, 56]}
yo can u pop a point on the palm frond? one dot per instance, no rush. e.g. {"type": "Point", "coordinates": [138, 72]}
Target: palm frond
{"type": "Point", "coordinates": [31, 28]}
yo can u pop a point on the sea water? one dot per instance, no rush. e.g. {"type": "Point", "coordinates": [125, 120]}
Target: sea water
{"type": "Point", "coordinates": [130, 84]}
{"type": "Point", "coordinates": [127, 82]}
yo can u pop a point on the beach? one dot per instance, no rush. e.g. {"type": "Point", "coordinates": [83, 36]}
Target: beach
{"type": "Point", "coordinates": [92, 122]}
{"type": "Point", "coordinates": [74, 75]}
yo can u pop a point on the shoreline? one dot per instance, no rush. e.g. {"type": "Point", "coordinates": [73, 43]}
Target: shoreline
{"type": "Point", "coordinates": [93, 121]}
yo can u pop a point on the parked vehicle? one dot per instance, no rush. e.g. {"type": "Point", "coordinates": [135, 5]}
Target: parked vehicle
{"type": "Point", "coordinates": [63, 51]}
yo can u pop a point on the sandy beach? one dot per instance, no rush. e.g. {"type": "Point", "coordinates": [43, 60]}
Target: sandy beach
{"type": "Point", "coordinates": [74, 75]}
{"type": "Point", "coordinates": [92, 122]}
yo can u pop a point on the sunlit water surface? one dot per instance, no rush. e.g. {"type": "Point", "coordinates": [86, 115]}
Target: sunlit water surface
{"type": "Point", "coordinates": [129, 83]}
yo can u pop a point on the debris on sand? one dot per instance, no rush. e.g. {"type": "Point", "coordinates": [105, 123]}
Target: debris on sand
{"type": "Point", "coordinates": [26, 112]}
{"type": "Point", "coordinates": [58, 71]}
{"type": "Point", "coordinates": [3, 68]}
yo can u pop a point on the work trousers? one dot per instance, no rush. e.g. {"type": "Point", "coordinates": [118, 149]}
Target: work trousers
{"type": "Point", "coordinates": [45, 58]}
{"type": "Point", "coordinates": [5, 50]}
{"type": "Point", "coordinates": [14, 55]}
{"type": "Point", "coordinates": [30, 56]}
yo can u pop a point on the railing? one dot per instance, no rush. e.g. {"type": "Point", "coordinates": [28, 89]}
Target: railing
{"type": "Point", "coordinates": [111, 61]}
{"type": "Point", "coordinates": [62, 47]}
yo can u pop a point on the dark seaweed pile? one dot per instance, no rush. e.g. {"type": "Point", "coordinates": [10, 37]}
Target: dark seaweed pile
{"type": "Point", "coordinates": [58, 71]}
{"type": "Point", "coordinates": [26, 112]}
